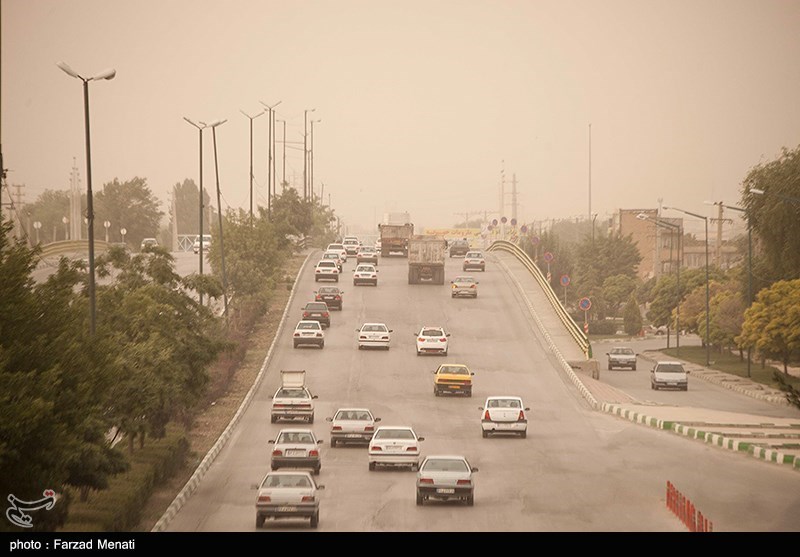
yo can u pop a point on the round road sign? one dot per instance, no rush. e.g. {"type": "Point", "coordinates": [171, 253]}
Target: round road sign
{"type": "Point", "coordinates": [585, 304]}
{"type": "Point", "coordinates": [494, 222]}
{"type": "Point", "coordinates": [513, 222]}
{"type": "Point", "coordinates": [504, 220]}
{"type": "Point", "coordinates": [535, 240]}
{"type": "Point", "coordinates": [564, 280]}
{"type": "Point", "coordinates": [523, 228]}
{"type": "Point", "coordinates": [548, 257]}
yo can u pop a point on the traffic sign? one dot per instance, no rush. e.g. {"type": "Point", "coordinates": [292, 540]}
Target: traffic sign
{"type": "Point", "coordinates": [523, 228]}
{"type": "Point", "coordinates": [585, 304]}
{"type": "Point", "coordinates": [504, 220]}
{"type": "Point", "coordinates": [564, 280]}
{"type": "Point", "coordinates": [513, 222]}
{"type": "Point", "coordinates": [535, 240]}
{"type": "Point", "coordinates": [549, 276]}
{"type": "Point", "coordinates": [586, 328]}
{"type": "Point", "coordinates": [494, 222]}
{"type": "Point", "coordinates": [548, 257]}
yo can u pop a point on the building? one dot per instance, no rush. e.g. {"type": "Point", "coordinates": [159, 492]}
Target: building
{"type": "Point", "coordinates": [658, 244]}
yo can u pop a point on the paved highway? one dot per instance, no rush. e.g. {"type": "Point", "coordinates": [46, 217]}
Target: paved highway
{"type": "Point", "coordinates": [578, 470]}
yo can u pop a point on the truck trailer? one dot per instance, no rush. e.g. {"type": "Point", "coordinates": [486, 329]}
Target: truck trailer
{"type": "Point", "coordinates": [395, 237]}
{"type": "Point", "coordinates": [426, 256]}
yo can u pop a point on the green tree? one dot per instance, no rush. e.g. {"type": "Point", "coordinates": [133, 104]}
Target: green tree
{"type": "Point", "coordinates": [616, 289]}
{"type": "Point", "coordinates": [49, 208]}
{"type": "Point", "coordinates": [632, 316]}
{"type": "Point", "coordinates": [725, 319]}
{"type": "Point", "coordinates": [772, 323]}
{"type": "Point", "coordinates": [188, 209]}
{"type": "Point", "coordinates": [130, 205]}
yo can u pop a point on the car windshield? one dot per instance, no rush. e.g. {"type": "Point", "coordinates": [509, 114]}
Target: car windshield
{"type": "Point", "coordinates": [454, 370]}
{"type": "Point", "coordinates": [503, 403]}
{"type": "Point", "coordinates": [308, 325]}
{"type": "Point", "coordinates": [374, 328]}
{"type": "Point", "coordinates": [291, 393]}
{"type": "Point", "coordinates": [432, 333]}
{"type": "Point", "coordinates": [445, 465]}
{"type": "Point", "coordinates": [330, 256]}
{"type": "Point", "coordinates": [669, 368]}
{"type": "Point", "coordinates": [357, 415]}
{"type": "Point", "coordinates": [394, 434]}
{"type": "Point", "coordinates": [317, 306]}
{"type": "Point", "coordinates": [327, 264]}
{"type": "Point", "coordinates": [287, 480]}
{"type": "Point", "coordinates": [365, 268]}
{"type": "Point", "coordinates": [295, 437]}
{"type": "Point", "coordinates": [464, 279]}
{"type": "Point", "coordinates": [328, 290]}
{"type": "Point", "coordinates": [623, 351]}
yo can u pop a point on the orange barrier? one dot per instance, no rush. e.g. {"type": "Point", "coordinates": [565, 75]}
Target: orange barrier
{"type": "Point", "coordinates": [686, 512]}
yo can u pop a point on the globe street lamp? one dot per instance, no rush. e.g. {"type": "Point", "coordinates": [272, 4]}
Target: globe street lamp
{"type": "Point", "coordinates": [37, 225]}
{"type": "Point", "coordinates": [65, 220]}
{"type": "Point", "coordinates": [122, 232]}
{"type": "Point", "coordinates": [708, 317]}
{"type": "Point", "coordinates": [106, 74]}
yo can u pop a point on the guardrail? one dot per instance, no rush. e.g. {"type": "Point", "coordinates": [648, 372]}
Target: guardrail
{"type": "Point", "coordinates": [574, 330]}
{"type": "Point", "coordinates": [65, 247]}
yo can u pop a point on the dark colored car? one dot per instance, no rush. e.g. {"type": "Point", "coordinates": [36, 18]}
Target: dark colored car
{"type": "Point", "coordinates": [317, 311]}
{"type": "Point", "coordinates": [459, 248]}
{"type": "Point", "coordinates": [331, 295]}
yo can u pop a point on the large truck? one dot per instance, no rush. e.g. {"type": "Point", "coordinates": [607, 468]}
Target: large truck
{"type": "Point", "coordinates": [395, 237]}
{"type": "Point", "coordinates": [396, 218]}
{"type": "Point", "coordinates": [426, 255]}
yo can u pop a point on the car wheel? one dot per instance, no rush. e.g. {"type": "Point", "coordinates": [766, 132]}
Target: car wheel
{"type": "Point", "coordinates": [273, 467]}
{"type": "Point", "coordinates": [420, 499]}
{"type": "Point", "coordinates": [610, 367]}
{"type": "Point", "coordinates": [419, 353]}
{"type": "Point", "coordinates": [452, 295]}
{"type": "Point", "coordinates": [444, 353]}
{"type": "Point", "coordinates": [360, 347]}
{"type": "Point", "coordinates": [686, 388]}
{"type": "Point", "coordinates": [333, 443]}
{"type": "Point", "coordinates": [311, 419]}
{"type": "Point", "coordinates": [469, 393]}
{"type": "Point", "coordinates": [415, 467]}
{"type": "Point", "coordinates": [355, 283]}
{"type": "Point", "coordinates": [371, 466]}
{"type": "Point", "coordinates": [273, 419]}
{"type": "Point", "coordinates": [259, 521]}
{"type": "Point", "coordinates": [316, 279]}
{"type": "Point", "coordinates": [314, 520]}
{"type": "Point", "coordinates": [485, 433]}
{"type": "Point", "coordinates": [322, 345]}
{"type": "Point", "coordinates": [316, 470]}
{"type": "Point", "coordinates": [471, 501]}
{"type": "Point", "coordinates": [524, 434]}
{"type": "Point", "coordinates": [295, 344]}
{"type": "Point", "coordinates": [633, 368]}
{"type": "Point", "coordinates": [435, 391]}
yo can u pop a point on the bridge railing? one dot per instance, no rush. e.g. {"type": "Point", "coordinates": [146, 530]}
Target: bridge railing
{"type": "Point", "coordinates": [68, 247]}
{"type": "Point", "coordinates": [569, 324]}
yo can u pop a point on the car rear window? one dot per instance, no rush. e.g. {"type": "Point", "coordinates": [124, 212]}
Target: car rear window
{"type": "Point", "coordinates": [352, 415]}
{"type": "Point", "coordinates": [328, 290]}
{"type": "Point", "coordinates": [287, 480]}
{"type": "Point", "coordinates": [317, 306]}
{"type": "Point", "coordinates": [374, 328]}
{"type": "Point", "coordinates": [432, 333]}
{"type": "Point", "coordinates": [308, 325]}
{"type": "Point", "coordinates": [292, 393]}
{"type": "Point", "coordinates": [503, 403]}
{"type": "Point", "coordinates": [445, 465]}
{"type": "Point", "coordinates": [454, 370]}
{"type": "Point", "coordinates": [394, 434]}
{"type": "Point", "coordinates": [295, 437]}
{"type": "Point", "coordinates": [669, 368]}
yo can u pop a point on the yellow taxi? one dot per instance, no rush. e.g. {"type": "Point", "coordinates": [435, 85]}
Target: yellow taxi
{"type": "Point", "coordinates": [454, 379]}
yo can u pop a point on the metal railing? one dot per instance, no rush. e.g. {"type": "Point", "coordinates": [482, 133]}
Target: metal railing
{"type": "Point", "coordinates": [569, 324]}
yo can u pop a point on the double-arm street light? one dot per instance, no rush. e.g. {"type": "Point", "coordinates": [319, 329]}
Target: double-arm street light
{"type": "Point", "coordinates": [305, 152]}
{"type": "Point", "coordinates": [213, 127]}
{"type": "Point", "coordinates": [270, 158]}
{"type": "Point", "coordinates": [311, 160]}
{"type": "Point", "coordinates": [200, 126]}
{"type": "Point", "coordinates": [666, 224]}
{"type": "Point", "coordinates": [283, 164]}
{"type": "Point", "coordinates": [708, 316]}
{"type": "Point", "coordinates": [251, 118]}
{"type": "Point", "coordinates": [106, 74]}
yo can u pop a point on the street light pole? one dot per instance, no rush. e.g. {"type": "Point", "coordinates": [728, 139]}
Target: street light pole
{"type": "Point", "coordinates": [305, 152]}
{"type": "Point", "coordinates": [270, 146]}
{"type": "Point", "coordinates": [251, 118]}
{"type": "Point", "coordinates": [311, 159]}
{"type": "Point", "coordinates": [213, 127]}
{"type": "Point", "coordinates": [708, 316]}
{"type": "Point", "coordinates": [283, 165]}
{"type": "Point", "coordinates": [200, 127]}
{"type": "Point", "coordinates": [106, 74]}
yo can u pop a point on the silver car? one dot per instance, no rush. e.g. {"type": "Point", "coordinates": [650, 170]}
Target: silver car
{"type": "Point", "coordinates": [621, 356]}
{"type": "Point", "coordinates": [296, 448]}
{"type": "Point", "coordinates": [464, 286]}
{"type": "Point", "coordinates": [446, 478]}
{"type": "Point", "coordinates": [352, 425]}
{"type": "Point", "coordinates": [287, 495]}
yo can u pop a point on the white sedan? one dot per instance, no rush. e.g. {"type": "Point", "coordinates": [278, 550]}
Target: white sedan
{"type": "Point", "coordinates": [308, 332]}
{"type": "Point", "coordinates": [352, 425]}
{"type": "Point", "coordinates": [365, 273]}
{"type": "Point", "coordinates": [432, 340]}
{"type": "Point", "coordinates": [394, 446]}
{"type": "Point", "coordinates": [504, 414]}
{"type": "Point", "coordinates": [446, 478]}
{"type": "Point", "coordinates": [374, 335]}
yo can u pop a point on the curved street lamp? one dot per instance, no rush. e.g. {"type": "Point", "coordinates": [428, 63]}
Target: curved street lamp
{"type": "Point", "coordinates": [105, 74]}
{"type": "Point", "coordinates": [251, 118]}
{"type": "Point", "coordinates": [213, 127]}
{"type": "Point", "coordinates": [200, 127]}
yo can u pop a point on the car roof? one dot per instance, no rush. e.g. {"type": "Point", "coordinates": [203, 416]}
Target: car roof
{"type": "Point", "coordinates": [296, 430]}
{"type": "Point", "coordinates": [493, 397]}
{"type": "Point", "coordinates": [453, 365]}
{"type": "Point", "coordinates": [354, 409]}
{"type": "Point", "coordinates": [432, 327]}
{"type": "Point", "coordinates": [364, 324]}
{"type": "Point", "coordinates": [310, 321]}
{"type": "Point", "coordinates": [464, 277]}
{"type": "Point", "coordinates": [396, 427]}
{"type": "Point", "coordinates": [446, 456]}
{"type": "Point", "coordinates": [673, 362]}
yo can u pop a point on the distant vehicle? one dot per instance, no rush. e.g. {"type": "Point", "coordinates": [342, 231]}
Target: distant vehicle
{"type": "Point", "coordinates": [367, 254]}
{"type": "Point", "coordinates": [395, 237]}
{"type": "Point", "coordinates": [426, 259]}
{"type": "Point", "coordinates": [621, 356]}
{"type": "Point", "coordinates": [374, 335]}
{"type": "Point", "coordinates": [459, 247]}
{"type": "Point", "coordinates": [446, 478]}
{"type": "Point", "coordinates": [352, 425]}
{"type": "Point", "coordinates": [394, 446]}
{"type": "Point", "coordinates": [148, 243]}
{"type": "Point", "coordinates": [504, 414]}
{"type": "Point", "coordinates": [317, 311]}
{"type": "Point", "coordinates": [206, 243]}
{"type": "Point", "coordinates": [326, 269]}
{"type": "Point", "coordinates": [340, 249]}
{"type": "Point", "coordinates": [296, 448]}
{"type": "Point", "coordinates": [464, 287]}
{"type": "Point", "coordinates": [432, 340]}
{"type": "Point", "coordinates": [308, 332]}
{"type": "Point", "coordinates": [293, 400]}
{"type": "Point", "coordinates": [365, 273]}
{"type": "Point", "coordinates": [452, 379]}
{"type": "Point", "coordinates": [669, 375]}
{"type": "Point", "coordinates": [378, 245]}
{"type": "Point", "coordinates": [333, 256]}
{"type": "Point", "coordinates": [331, 295]}
{"type": "Point", "coordinates": [287, 494]}
{"type": "Point", "coordinates": [351, 245]}
{"type": "Point", "coordinates": [474, 260]}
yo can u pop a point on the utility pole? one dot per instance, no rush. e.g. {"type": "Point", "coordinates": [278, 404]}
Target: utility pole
{"type": "Point", "coordinates": [466, 217]}
{"type": "Point", "coordinates": [18, 206]}
{"type": "Point", "coordinates": [718, 248]}
{"type": "Point", "coordinates": [75, 202]}
{"type": "Point", "coordinates": [514, 196]}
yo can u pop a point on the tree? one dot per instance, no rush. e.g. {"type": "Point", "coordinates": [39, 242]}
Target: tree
{"type": "Point", "coordinates": [616, 289]}
{"type": "Point", "coordinates": [693, 306]}
{"type": "Point", "coordinates": [772, 323]}
{"type": "Point", "coordinates": [726, 318]}
{"type": "Point", "coordinates": [187, 208]}
{"type": "Point", "coordinates": [49, 208]}
{"type": "Point", "coordinates": [130, 205]}
{"type": "Point", "coordinates": [632, 316]}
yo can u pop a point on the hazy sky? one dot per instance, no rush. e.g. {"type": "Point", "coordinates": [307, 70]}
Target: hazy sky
{"type": "Point", "coordinates": [423, 103]}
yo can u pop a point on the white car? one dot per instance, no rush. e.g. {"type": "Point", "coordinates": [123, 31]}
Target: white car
{"type": "Point", "coordinates": [308, 332]}
{"type": "Point", "coordinates": [338, 248]}
{"type": "Point", "coordinates": [365, 273]}
{"type": "Point", "coordinates": [296, 448]}
{"type": "Point", "coordinates": [326, 269]}
{"type": "Point", "coordinates": [474, 260]}
{"type": "Point", "coordinates": [287, 494]}
{"type": "Point", "coordinates": [504, 414]}
{"type": "Point", "coordinates": [378, 246]}
{"type": "Point", "coordinates": [669, 375]}
{"type": "Point", "coordinates": [621, 356]}
{"type": "Point", "coordinates": [432, 340]}
{"type": "Point", "coordinates": [206, 243]}
{"type": "Point", "coordinates": [352, 425]}
{"type": "Point", "coordinates": [351, 244]}
{"type": "Point", "coordinates": [464, 286]}
{"type": "Point", "coordinates": [334, 256]}
{"type": "Point", "coordinates": [446, 478]}
{"type": "Point", "coordinates": [374, 335]}
{"type": "Point", "coordinates": [293, 400]}
{"type": "Point", "coordinates": [394, 446]}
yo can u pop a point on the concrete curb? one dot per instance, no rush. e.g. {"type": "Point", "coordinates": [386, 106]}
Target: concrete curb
{"type": "Point", "coordinates": [212, 453]}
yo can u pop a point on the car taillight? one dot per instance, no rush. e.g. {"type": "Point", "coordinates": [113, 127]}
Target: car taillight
{"type": "Point", "coordinates": [337, 297]}
{"type": "Point", "coordinates": [318, 271]}
{"type": "Point", "coordinates": [317, 298]}
{"type": "Point", "coordinates": [463, 482]}
{"type": "Point", "coordinates": [420, 339]}
{"type": "Point", "coordinates": [454, 286]}
{"type": "Point", "coordinates": [443, 339]}
{"type": "Point", "coordinates": [325, 314]}
{"type": "Point", "coordinates": [412, 448]}
{"type": "Point", "coordinates": [336, 428]}
{"type": "Point", "coordinates": [313, 452]}
{"type": "Point", "coordinates": [297, 334]}
{"type": "Point", "coordinates": [319, 334]}
{"type": "Point", "coordinates": [426, 480]}
{"type": "Point", "coordinates": [277, 452]}
{"type": "Point", "coordinates": [472, 286]}
{"type": "Point", "coordinates": [384, 338]}
{"type": "Point", "coordinates": [362, 337]}
{"type": "Point", "coordinates": [307, 499]}
{"type": "Point", "coordinates": [369, 428]}
{"type": "Point", "coordinates": [375, 448]}
{"type": "Point", "coordinates": [521, 415]}
{"type": "Point", "coordinates": [306, 314]}
{"type": "Point", "coordinates": [486, 416]}
{"type": "Point", "coordinates": [264, 499]}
